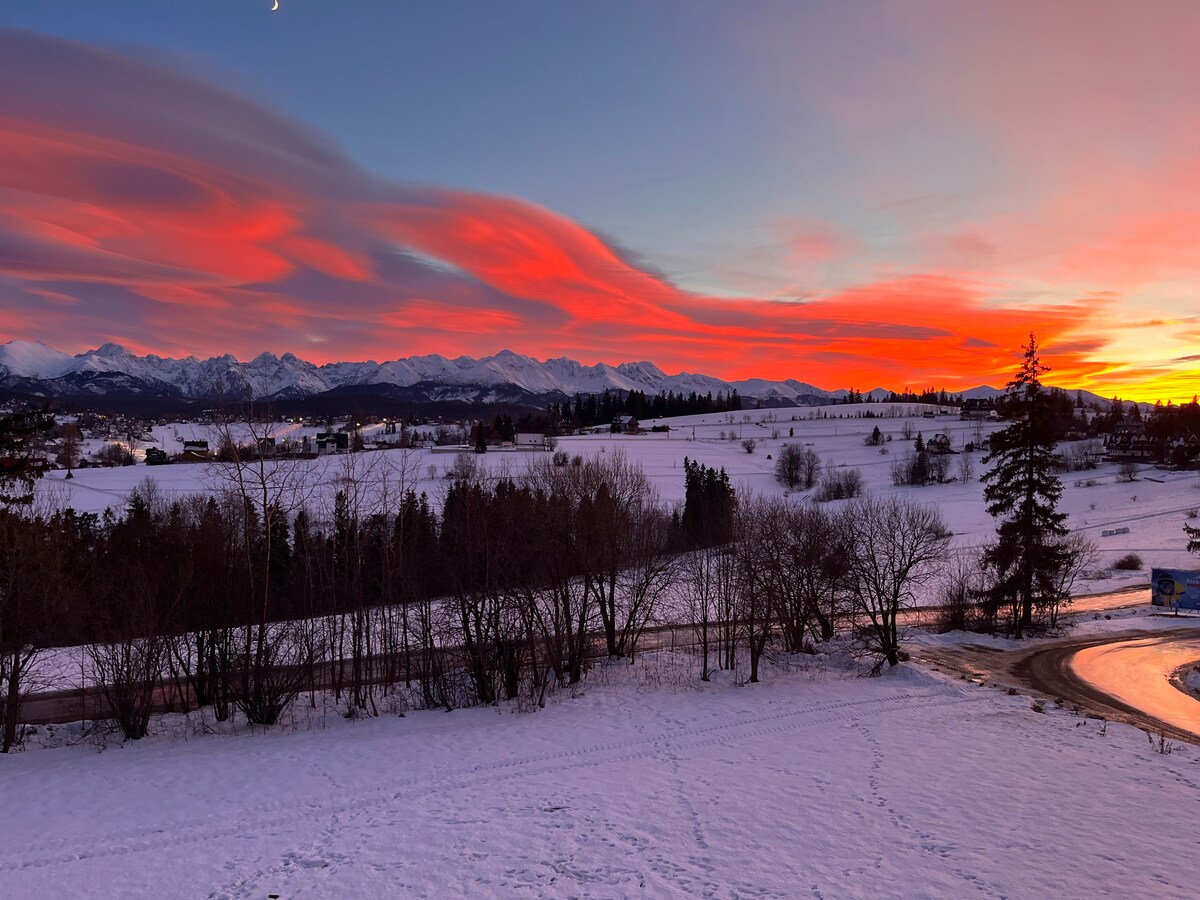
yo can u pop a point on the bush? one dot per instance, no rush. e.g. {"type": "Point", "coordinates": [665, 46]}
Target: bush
{"type": "Point", "coordinates": [1130, 562]}
{"type": "Point", "coordinates": [839, 485]}
{"type": "Point", "coordinates": [561, 458]}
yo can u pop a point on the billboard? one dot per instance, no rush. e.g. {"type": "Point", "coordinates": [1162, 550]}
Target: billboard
{"type": "Point", "coordinates": [1175, 588]}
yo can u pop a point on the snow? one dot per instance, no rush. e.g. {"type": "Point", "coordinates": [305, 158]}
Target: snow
{"type": "Point", "coordinates": [813, 783]}
{"type": "Point", "coordinates": [288, 376]}
{"type": "Point", "coordinates": [1096, 501]}
{"type": "Point", "coordinates": [643, 781]}
{"type": "Point", "coordinates": [29, 359]}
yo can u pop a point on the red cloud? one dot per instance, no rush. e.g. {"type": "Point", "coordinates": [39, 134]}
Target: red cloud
{"type": "Point", "coordinates": [235, 230]}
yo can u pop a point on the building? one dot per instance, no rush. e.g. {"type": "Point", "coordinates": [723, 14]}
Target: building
{"type": "Point", "coordinates": [1129, 443]}
{"type": "Point", "coordinates": [939, 444]}
{"type": "Point", "coordinates": [978, 408]}
{"type": "Point", "coordinates": [531, 441]}
{"type": "Point", "coordinates": [332, 441]}
{"type": "Point", "coordinates": [195, 451]}
{"type": "Point", "coordinates": [626, 425]}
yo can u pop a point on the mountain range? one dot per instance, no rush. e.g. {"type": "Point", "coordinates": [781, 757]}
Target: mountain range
{"type": "Point", "coordinates": [113, 373]}
{"type": "Point", "coordinates": [38, 370]}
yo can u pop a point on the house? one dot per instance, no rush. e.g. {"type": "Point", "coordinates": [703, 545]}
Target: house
{"type": "Point", "coordinates": [1129, 443]}
{"type": "Point", "coordinates": [266, 446]}
{"type": "Point", "coordinates": [939, 444]}
{"type": "Point", "coordinates": [978, 408]}
{"type": "Point", "coordinates": [626, 425]}
{"type": "Point", "coordinates": [156, 456]}
{"type": "Point", "coordinates": [1182, 449]}
{"type": "Point", "coordinates": [531, 441]}
{"type": "Point", "coordinates": [195, 451]}
{"type": "Point", "coordinates": [491, 437]}
{"type": "Point", "coordinates": [332, 441]}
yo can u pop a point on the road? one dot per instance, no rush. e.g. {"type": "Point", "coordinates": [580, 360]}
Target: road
{"type": "Point", "coordinates": [1142, 674]}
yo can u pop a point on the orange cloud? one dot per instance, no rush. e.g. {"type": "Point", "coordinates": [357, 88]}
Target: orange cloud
{"type": "Point", "coordinates": [236, 230]}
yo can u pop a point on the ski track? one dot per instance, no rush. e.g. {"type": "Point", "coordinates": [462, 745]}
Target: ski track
{"type": "Point", "coordinates": [255, 818]}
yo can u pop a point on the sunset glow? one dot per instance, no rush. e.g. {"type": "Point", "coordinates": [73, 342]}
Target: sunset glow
{"type": "Point", "coordinates": [893, 203]}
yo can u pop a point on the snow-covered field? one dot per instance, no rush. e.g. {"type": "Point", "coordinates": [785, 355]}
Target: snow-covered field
{"type": "Point", "coordinates": [1153, 508]}
{"type": "Point", "coordinates": [644, 782]}
{"type": "Point", "coordinates": [812, 784]}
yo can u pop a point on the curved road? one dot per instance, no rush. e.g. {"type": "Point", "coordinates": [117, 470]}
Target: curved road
{"type": "Point", "coordinates": [1125, 677]}
{"type": "Point", "coordinates": [1140, 673]}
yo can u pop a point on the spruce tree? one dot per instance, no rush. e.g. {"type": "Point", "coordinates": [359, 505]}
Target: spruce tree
{"type": "Point", "coordinates": [1193, 538]}
{"type": "Point", "coordinates": [20, 466]}
{"type": "Point", "coordinates": [1022, 491]}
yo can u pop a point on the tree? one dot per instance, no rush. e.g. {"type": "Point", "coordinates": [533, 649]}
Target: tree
{"type": "Point", "coordinates": [797, 465]}
{"type": "Point", "coordinates": [20, 466]}
{"type": "Point", "coordinates": [1022, 491]}
{"type": "Point", "coordinates": [1193, 536]}
{"type": "Point", "coordinates": [708, 505]}
{"type": "Point", "coordinates": [749, 444]}
{"type": "Point", "coordinates": [897, 544]}
{"type": "Point", "coordinates": [70, 449]}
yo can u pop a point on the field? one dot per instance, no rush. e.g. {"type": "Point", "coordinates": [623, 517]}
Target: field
{"type": "Point", "coordinates": [643, 781]}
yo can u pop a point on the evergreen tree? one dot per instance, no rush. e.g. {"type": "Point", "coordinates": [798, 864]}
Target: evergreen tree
{"type": "Point", "coordinates": [1022, 491]}
{"type": "Point", "coordinates": [20, 466]}
{"type": "Point", "coordinates": [708, 505]}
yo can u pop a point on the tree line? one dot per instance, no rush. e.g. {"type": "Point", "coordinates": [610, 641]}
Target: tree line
{"type": "Point", "coordinates": [586, 411]}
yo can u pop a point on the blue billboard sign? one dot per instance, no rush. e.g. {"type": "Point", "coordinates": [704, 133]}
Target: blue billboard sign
{"type": "Point", "coordinates": [1175, 588]}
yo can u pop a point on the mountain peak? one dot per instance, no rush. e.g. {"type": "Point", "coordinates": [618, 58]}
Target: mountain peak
{"type": "Point", "coordinates": [108, 350]}
{"type": "Point", "coordinates": [33, 359]}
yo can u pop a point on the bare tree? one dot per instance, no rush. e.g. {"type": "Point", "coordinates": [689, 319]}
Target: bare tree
{"type": "Point", "coordinates": [1080, 554]}
{"type": "Point", "coordinates": [702, 598]}
{"type": "Point", "coordinates": [897, 545]}
{"type": "Point", "coordinates": [760, 529]}
{"type": "Point", "coordinates": [796, 465]}
{"type": "Point", "coordinates": [966, 467]}
{"type": "Point", "coordinates": [958, 590]}
{"type": "Point", "coordinates": [36, 569]}
{"type": "Point", "coordinates": [266, 492]}
{"type": "Point", "coordinates": [70, 448]}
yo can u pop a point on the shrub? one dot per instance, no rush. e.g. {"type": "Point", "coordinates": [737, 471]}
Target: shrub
{"type": "Point", "coordinates": [842, 484]}
{"type": "Point", "coordinates": [1130, 562]}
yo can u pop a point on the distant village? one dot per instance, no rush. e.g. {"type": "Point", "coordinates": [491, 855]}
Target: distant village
{"type": "Point", "coordinates": [1167, 436]}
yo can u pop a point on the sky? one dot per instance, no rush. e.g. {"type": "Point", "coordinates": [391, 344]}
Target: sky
{"type": "Point", "coordinates": [871, 192]}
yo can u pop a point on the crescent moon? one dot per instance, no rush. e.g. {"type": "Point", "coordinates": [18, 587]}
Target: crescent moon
{"type": "Point", "coordinates": [276, 6]}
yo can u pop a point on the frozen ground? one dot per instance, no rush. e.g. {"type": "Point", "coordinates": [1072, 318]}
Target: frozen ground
{"type": "Point", "coordinates": [813, 784]}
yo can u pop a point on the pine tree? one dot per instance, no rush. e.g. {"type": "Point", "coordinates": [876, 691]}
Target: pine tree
{"type": "Point", "coordinates": [1023, 492]}
{"type": "Point", "coordinates": [20, 466]}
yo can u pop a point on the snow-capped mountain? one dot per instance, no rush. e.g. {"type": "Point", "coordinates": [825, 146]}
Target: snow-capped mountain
{"type": "Point", "coordinates": [37, 369]}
